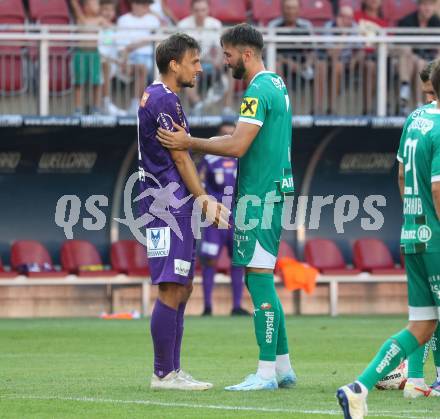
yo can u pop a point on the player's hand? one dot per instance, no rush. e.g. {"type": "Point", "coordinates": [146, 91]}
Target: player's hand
{"type": "Point", "coordinates": [174, 140]}
{"type": "Point", "coordinates": [217, 213]}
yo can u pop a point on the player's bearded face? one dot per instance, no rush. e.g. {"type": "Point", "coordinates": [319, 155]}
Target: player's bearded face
{"type": "Point", "coordinates": [238, 69]}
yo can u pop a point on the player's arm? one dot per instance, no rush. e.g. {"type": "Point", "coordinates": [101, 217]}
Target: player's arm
{"type": "Point", "coordinates": [436, 197]}
{"type": "Point", "coordinates": [234, 145]}
{"type": "Point", "coordinates": [214, 211]}
{"type": "Point", "coordinates": [77, 10]}
{"type": "Point", "coordinates": [401, 179]}
{"type": "Point", "coordinates": [435, 175]}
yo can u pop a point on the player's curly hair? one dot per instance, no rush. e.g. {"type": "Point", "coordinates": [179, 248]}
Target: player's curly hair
{"type": "Point", "coordinates": [174, 48]}
{"type": "Point", "coordinates": [243, 35]}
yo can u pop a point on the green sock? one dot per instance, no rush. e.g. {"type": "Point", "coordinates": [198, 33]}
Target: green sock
{"type": "Point", "coordinates": [282, 345]}
{"type": "Point", "coordinates": [266, 313]}
{"type": "Point", "coordinates": [390, 355]}
{"type": "Point", "coordinates": [416, 361]}
{"type": "Point", "coordinates": [435, 345]}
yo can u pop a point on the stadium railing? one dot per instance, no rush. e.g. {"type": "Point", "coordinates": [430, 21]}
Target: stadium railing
{"type": "Point", "coordinates": [336, 71]}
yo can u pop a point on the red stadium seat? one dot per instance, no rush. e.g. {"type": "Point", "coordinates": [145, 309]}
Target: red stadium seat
{"type": "Point", "coordinates": [4, 274]}
{"type": "Point", "coordinates": [373, 256]}
{"type": "Point", "coordinates": [224, 262]}
{"type": "Point", "coordinates": [77, 254]}
{"type": "Point", "coordinates": [12, 12]}
{"type": "Point", "coordinates": [325, 256]}
{"type": "Point", "coordinates": [180, 8]}
{"type": "Point", "coordinates": [394, 10]}
{"type": "Point", "coordinates": [13, 78]}
{"type": "Point", "coordinates": [230, 11]}
{"type": "Point", "coordinates": [264, 11]}
{"type": "Point", "coordinates": [26, 252]}
{"type": "Point", "coordinates": [129, 257]}
{"type": "Point", "coordinates": [317, 11]}
{"type": "Point", "coordinates": [49, 11]}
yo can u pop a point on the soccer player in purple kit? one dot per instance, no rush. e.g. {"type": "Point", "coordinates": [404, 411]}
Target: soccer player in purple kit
{"type": "Point", "coordinates": [170, 240]}
{"type": "Point", "coordinates": [218, 173]}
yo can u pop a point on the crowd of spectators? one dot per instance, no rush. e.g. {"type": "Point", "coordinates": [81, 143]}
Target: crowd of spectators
{"type": "Point", "coordinates": [130, 57]}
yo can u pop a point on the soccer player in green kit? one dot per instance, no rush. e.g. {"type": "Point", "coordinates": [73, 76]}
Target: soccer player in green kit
{"type": "Point", "coordinates": [419, 183]}
{"type": "Point", "coordinates": [262, 141]}
{"type": "Point", "coordinates": [415, 385]}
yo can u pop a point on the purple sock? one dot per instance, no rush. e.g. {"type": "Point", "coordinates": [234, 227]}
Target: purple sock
{"type": "Point", "coordinates": [237, 285]}
{"type": "Point", "coordinates": [208, 273]}
{"type": "Point", "coordinates": [179, 335]}
{"type": "Point", "coordinates": [163, 332]}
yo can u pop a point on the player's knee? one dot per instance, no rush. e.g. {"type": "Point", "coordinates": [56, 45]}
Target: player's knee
{"type": "Point", "coordinates": [208, 262]}
{"type": "Point", "coordinates": [422, 330]}
{"type": "Point", "coordinates": [186, 292]}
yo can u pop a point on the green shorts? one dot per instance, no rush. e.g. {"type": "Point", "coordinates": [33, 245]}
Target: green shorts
{"type": "Point", "coordinates": [87, 67]}
{"type": "Point", "coordinates": [257, 247]}
{"type": "Point", "coordinates": [423, 270]}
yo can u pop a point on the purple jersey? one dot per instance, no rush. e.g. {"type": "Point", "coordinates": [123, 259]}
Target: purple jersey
{"type": "Point", "coordinates": [216, 173]}
{"type": "Point", "coordinates": [159, 107]}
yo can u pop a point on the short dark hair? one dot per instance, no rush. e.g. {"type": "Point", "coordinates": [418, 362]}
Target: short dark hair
{"type": "Point", "coordinates": [174, 48]}
{"type": "Point", "coordinates": [435, 77]}
{"type": "Point", "coordinates": [243, 35]}
{"type": "Point", "coordinates": [426, 71]}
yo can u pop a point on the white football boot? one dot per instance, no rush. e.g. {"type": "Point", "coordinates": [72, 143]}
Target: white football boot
{"type": "Point", "coordinates": [173, 381]}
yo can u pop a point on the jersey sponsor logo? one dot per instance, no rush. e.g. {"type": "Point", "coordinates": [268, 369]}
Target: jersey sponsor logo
{"type": "Point", "coordinates": [144, 99]}
{"type": "Point", "coordinates": [424, 233]}
{"type": "Point", "coordinates": [165, 121]}
{"type": "Point", "coordinates": [158, 242]}
{"type": "Point", "coordinates": [180, 115]}
{"type": "Point", "coordinates": [278, 83]}
{"type": "Point", "coordinates": [412, 206]}
{"type": "Point", "coordinates": [421, 124]}
{"type": "Point", "coordinates": [249, 106]}
{"type": "Point", "coordinates": [219, 176]}
{"type": "Point", "coordinates": [408, 234]}
{"type": "Point", "coordinates": [181, 267]}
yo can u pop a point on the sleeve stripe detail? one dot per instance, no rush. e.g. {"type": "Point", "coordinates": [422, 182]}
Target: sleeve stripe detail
{"type": "Point", "coordinates": [399, 159]}
{"type": "Point", "coordinates": [435, 178]}
{"type": "Point", "coordinates": [251, 121]}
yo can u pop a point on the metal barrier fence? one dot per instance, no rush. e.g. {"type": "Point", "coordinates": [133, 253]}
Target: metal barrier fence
{"type": "Point", "coordinates": [63, 70]}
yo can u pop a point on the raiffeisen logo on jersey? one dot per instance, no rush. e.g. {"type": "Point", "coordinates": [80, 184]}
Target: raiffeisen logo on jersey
{"type": "Point", "coordinates": [424, 233]}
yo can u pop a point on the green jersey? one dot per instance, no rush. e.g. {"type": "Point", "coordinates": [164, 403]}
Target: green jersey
{"type": "Point", "coordinates": [419, 152]}
{"type": "Point", "coordinates": [265, 170]}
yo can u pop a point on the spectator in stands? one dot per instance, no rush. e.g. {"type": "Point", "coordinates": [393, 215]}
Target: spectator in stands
{"type": "Point", "coordinates": [294, 60]}
{"type": "Point", "coordinates": [206, 30]}
{"type": "Point", "coordinates": [163, 12]}
{"type": "Point", "coordinates": [370, 21]}
{"type": "Point", "coordinates": [109, 56]}
{"type": "Point", "coordinates": [86, 60]}
{"type": "Point", "coordinates": [412, 60]}
{"type": "Point", "coordinates": [336, 62]}
{"type": "Point", "coordinates": [135, 26]}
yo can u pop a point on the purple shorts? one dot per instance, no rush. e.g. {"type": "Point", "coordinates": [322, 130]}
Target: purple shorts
{"type": "Point", "coordinates": [169, 258]}
{"type": "Point", "coordinates": [213, 240]}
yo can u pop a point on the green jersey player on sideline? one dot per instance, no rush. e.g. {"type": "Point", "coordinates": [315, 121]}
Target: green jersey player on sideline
{"type": "Point", "coordinates": [419, 183]}
{"type": "Point", "coordinates": [416, 386]}
{"type": "Point", "coordinates": [262, 141]}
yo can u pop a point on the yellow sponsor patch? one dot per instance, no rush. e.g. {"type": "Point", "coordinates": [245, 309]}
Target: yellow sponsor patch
{"type": "Point", "coordinates": [249, 106]}
{"type": "Point", "coordinates": [144, 99]}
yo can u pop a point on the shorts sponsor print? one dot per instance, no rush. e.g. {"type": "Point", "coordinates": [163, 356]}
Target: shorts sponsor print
{"type": "Point", "coordinates": [213, 240]}
{"type": "Point", "coordinates": [169, 258]}
{"type": "Point", "coordinates": [257, 247]}
{"type": "Point", "coordinates": [423, 270]}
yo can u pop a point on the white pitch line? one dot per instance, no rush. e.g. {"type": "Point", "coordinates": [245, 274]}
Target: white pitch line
{"type": "Point", "coordinates": [212, 406]}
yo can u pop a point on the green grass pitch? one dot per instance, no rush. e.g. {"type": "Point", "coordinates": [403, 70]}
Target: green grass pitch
{"type": "Point", "coordinates": [92, 368]}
